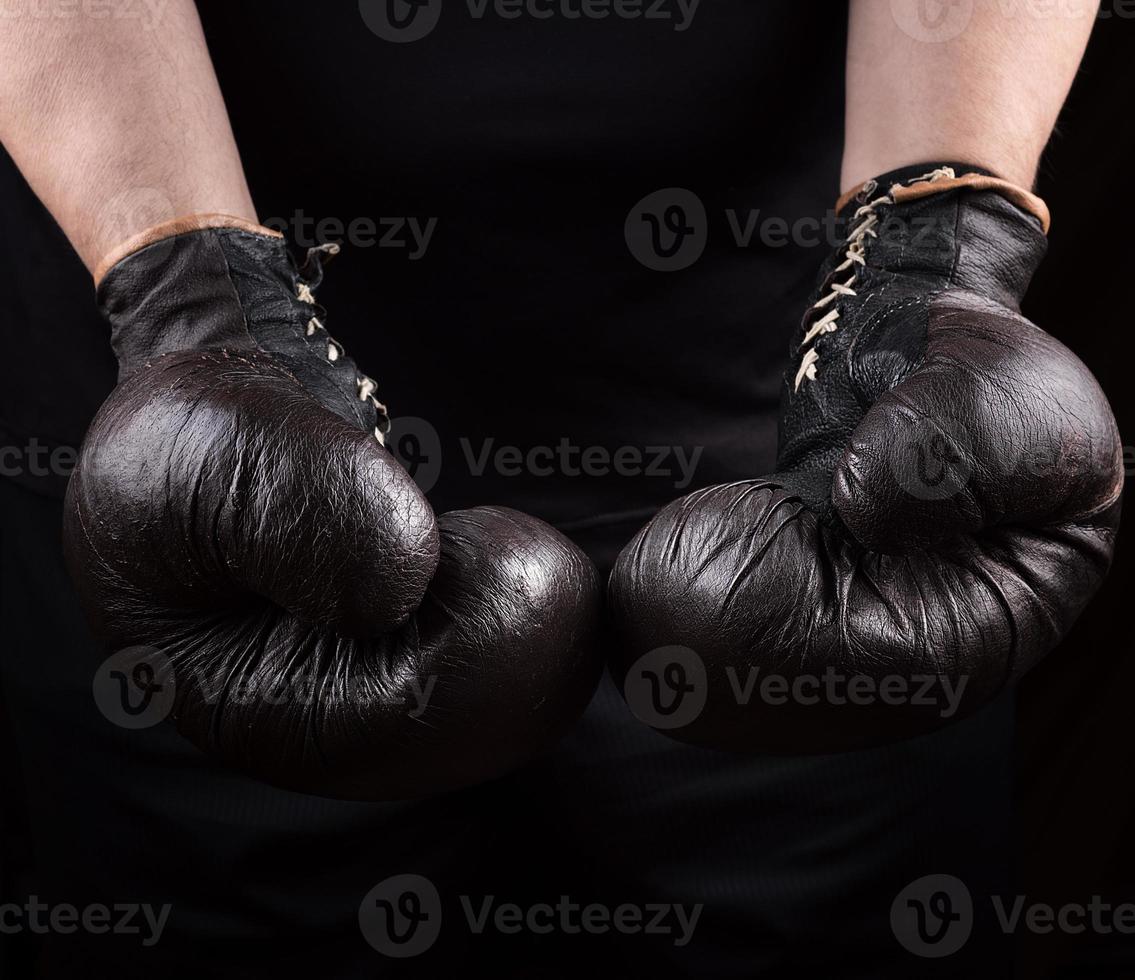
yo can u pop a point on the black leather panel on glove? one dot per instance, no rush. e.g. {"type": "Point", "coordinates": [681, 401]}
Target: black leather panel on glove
{"type": "Point", "coordinates": [234, 509]}
{"type": "Point", "coordinates": [946, 500]}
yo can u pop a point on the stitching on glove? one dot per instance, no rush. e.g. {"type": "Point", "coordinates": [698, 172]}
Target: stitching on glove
{"type": "Point", "coordinates": [880, 315]}
{"type": "Point", "coordinates": [863, 226]}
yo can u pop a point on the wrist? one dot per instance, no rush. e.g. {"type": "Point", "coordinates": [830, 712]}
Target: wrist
{"type": "Point", "coordinates": [861, 165]}
{"type": "Point", "coordinates": [152, 235]}
{"type": "Point", "coordinates": [929, 179]}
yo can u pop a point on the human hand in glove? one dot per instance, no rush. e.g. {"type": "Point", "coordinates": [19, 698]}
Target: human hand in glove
{"type": "Point", "coordinates": [945, 504]}
{"type": "Point", "coordinates": [234, 509]}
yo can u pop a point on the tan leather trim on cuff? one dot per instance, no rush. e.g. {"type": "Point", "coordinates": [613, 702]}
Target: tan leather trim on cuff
{"type": "Point", "coordinates": [1025, 200]}
{"type": "Point", "coordinates": [848, 196]}
{"type": "Point", "coordinates": [177, 226]}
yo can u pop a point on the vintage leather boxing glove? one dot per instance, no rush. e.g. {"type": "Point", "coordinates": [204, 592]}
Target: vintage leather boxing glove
{"type": "Point", "coordinates": [945, 503]}
{"type": "Point", "coordinates": [234, 509]}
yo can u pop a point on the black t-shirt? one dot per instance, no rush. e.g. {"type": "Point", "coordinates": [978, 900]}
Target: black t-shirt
{"type": "Point", "coordinates": [576, 245]}
{"type": "Point", "coordinates": [560, 307]}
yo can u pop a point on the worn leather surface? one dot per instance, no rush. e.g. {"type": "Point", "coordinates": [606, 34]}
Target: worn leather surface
{"type": "Point", "coordinates": [946, 503]}
{"type": "Point", "coordinates": [233, 510]}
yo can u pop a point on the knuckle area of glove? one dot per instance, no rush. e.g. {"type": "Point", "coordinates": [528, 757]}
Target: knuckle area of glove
{"type": "Point", "coordinates": [221, 464]}
{"type": "Point", "coordinates": [511, 585]}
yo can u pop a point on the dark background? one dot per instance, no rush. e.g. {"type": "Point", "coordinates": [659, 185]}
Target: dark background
{"type": "Point", "coordinates": [1075, 792]}
{"type": "Point", "coordinates": [1076, 755]}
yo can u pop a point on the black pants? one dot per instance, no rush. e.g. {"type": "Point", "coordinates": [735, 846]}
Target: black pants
{"type": "Point", "coordinates": [780, 867]}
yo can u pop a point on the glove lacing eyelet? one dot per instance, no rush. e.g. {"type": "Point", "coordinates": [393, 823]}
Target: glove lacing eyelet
{"type": "Point", "coordinates": [305, 292]}
{"type": "Point", "coordinates": [864, 224]}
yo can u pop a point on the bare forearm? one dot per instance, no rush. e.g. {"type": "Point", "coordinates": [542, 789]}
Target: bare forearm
{"type": "Point", "coordinates": [978, 83]}
{"type": "Point", "coordinates": [118, 124]}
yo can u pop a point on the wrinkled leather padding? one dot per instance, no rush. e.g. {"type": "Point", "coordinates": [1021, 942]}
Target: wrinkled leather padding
{"type": "Point", "coordinates": [946, 502]}
{"type": "Point", "coordinates": [322, 631]}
